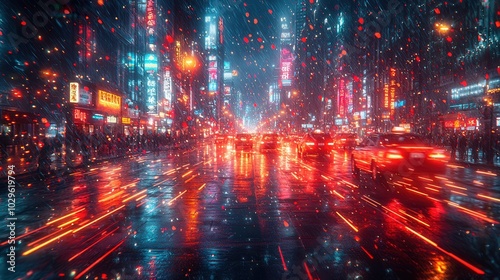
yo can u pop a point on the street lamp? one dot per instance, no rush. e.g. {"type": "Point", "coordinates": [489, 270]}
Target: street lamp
{"type": "Point", "coordinates": [189, 66]}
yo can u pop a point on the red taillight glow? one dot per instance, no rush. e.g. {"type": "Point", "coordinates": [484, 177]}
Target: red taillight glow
{"type": "Point", "coordinates": [438, 154]}
{"type": "Point", "coordinates": [330, 144]}
{"type": "Point", "coordinates": [310, 143]}
{"type": "Point", "coordinates": [393, 154]}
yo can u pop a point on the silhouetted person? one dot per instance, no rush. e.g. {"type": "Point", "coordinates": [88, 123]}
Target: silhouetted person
{"type": "Point", "coordinates": [462, 147]}
{"type": "Point", "coordinates": [453, 144]}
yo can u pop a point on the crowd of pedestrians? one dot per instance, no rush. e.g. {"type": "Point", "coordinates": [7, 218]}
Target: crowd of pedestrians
{"type": "Point", "coordinates": [81, 147]}
{"type": "Point", "coordinates": [468, 146]}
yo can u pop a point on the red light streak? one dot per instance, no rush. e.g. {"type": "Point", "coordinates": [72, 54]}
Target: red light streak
{"type": "Point", "coordinates": [24, 235]}
{"type": "Point", "coordinates": [349, 184]}
{"type": "Point", "coordinates": [468, 265]}
{"type": "Point", "coordinates": [414, 218]}
{"type": "Point", "coordinates": [67, 223]}
{"type": "Point", "coordinates": [489, 173]}
{"type": "Point", "coordinates": [64, 217]}
{"type": "Point", "coordinates": [368, 253]}
{"type": "Point", "coordinates": [459, 193]}
{"type": "Point", "coordinates": [92, 245]}
{"type": "Point", "coordinates": [187, 173]}
{"type": "Point", "coordinates": [431, 189]}
{"type": "Point", "coordinates": [349, 223]}
{"type": "Point", "coordinates": [338, 194]}
{"type": "Point", "coordinates": [43, 238]}
{"type": "Point", "coordinates": [282, 259]}
{"type": "Point", "coordinates": [472, 213]}
{"type": "Point", "coordinates": [46, 243]}
{"type": "Point", "coordinates": [98, 219]}
{"type": "Point", "coordinates": [307, 271]}
{"type": "Point", "coordinates": [489, 197]}
{"type": "Point", "coordinates": [417, 192]}
{"type": "Point", "coordinates": [192, 177]}
{"type": "Point", "coordinates": [134, 196]}
{"type": "Point", "coordinates": [456, 187]}
{"type": "Point", "coordinates": [99, 260]}
{"type": "Point", "coordinates": [175, 198]}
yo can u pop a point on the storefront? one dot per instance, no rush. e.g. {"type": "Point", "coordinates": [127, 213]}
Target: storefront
{"type": "Point", "coordinates": [94, 109]}
{"type": "Point", "coordinates": [19, 126]}
{"type": "Point", "coordinates": [461, 121]}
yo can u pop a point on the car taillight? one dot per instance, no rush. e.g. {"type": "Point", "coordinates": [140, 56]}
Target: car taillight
{"type": "Point", "coordinates": [438, 154]}
{"type": "Point", "coordinates": [330, 144]}
{"type": "Point", "coordinates": [310, 143]}
{"type": "Point", "coordinates": [393, 154]}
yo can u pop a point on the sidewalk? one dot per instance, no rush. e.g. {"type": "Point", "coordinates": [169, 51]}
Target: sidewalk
{"type": "Point", "coordinates": [481, 163]}
{"type": "Point", "coordinates": [24, 162]}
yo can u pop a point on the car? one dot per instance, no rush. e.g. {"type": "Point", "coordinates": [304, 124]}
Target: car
{"type": "Point", "coordinates": [243, 142]}
{"type": "Point", "coordinates": [269, 142]}
{"type": "Point", "coordinates": [316, 143]}
{"type": "Point", "coordinates": [396, 153]}
{"type": "Point", "coordinates": [345, 140]}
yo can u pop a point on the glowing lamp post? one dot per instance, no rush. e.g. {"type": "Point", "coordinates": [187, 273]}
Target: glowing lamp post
{"type": "Point", "coordinates": [189, 66]}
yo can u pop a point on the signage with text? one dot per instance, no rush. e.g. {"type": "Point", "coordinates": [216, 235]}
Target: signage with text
{"type": "Point", "coordinates": [108, 102]}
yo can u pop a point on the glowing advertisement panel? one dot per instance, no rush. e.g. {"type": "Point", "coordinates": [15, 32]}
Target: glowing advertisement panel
{"type": "Point", "coordinates": [108, 102]}
{"type": "Point", "coordinates": [150, 14]}
{"type": "Point", "coordinates": [79, 94]}
{"type": "Point", "coordinates": [341, 102]}
{"type": "Point", "coordinates": [151, 93]}
{"type": "Point", "coordinates": [167, 90]}
{"type": "Point", "coordinates": [212, 75]}
{"type": "Point", "coordinates": [286, 60]}
{"type": "Point", "coordinates": [151, 62]}
{"type": "Point", "coordinates": [392, 92]}
{"type": "Point", "coordinates": [211, 33]}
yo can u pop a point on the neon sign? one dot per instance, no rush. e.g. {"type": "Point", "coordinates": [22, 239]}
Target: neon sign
{"type": "Point", "coordinates": [74, 92]}
{"type": "Point", "coordinates": [108, 101]}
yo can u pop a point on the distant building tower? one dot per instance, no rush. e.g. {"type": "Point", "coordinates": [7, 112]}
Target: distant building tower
{"type": "Point", "coordinates": [309, 62]}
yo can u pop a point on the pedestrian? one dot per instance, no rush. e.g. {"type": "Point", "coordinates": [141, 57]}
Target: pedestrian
{"type": "Point", "coordinates": [44, 160]}
{"type": "Point", "coordinates": [475, 148]}
{"type": "Point", "coordinates": [453, 146]}
{"type": "Point", "coordinates": [462, 146]}
{"type": "Point", "coordinates": [4, 143]}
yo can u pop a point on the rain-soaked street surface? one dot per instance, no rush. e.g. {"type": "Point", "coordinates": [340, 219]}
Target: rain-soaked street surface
{"type": "Point", "coordinates": [213, 213]}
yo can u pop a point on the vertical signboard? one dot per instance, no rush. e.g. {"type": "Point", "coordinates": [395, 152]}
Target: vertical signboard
{"type": "Point", "coordinates": [167, 90]}
{"type": "Point", "coordinates": [151, 94]}
{"type": "Point", "coordinates": [212, 74]}
{"type": "Point", "coordinates": [74, 92]}
{"type": "Point", "coordinates": [341, 102]}
{"type": "Point", "coordinates": [286, 60]}
{"type": "Point", "coordinates": [151, 67]}
{"type": "Point", "coordinates": [392, 92]}
{"type": "Point", "coordinates": [211, 32]}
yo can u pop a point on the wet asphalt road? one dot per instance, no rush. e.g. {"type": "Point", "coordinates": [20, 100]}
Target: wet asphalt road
{"type": "Point", "coordinates": [213, 213]}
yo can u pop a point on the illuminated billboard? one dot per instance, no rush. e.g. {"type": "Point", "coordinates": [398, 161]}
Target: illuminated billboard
{"type": "Point", "coordinates": [151, 94]}
{"type": "Point", "coordinates": [342, 98]}
{"type": "Point", "coordinates": [286, 60]}
{"type": "Point", "coordinates": [212, 74]}
{"type": "Point", "coordinates": [167, 90]}
{"type": "Point", "coordinates": [211, 32]}
{"type": "Point", "coordinates": [79, 94]}
{"type": "Point", "coordinates": [150, 14]}
{"type": "Point", "coordinates": [108, 102]}
{"type": "Point", "coordinates": [151, 62]}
